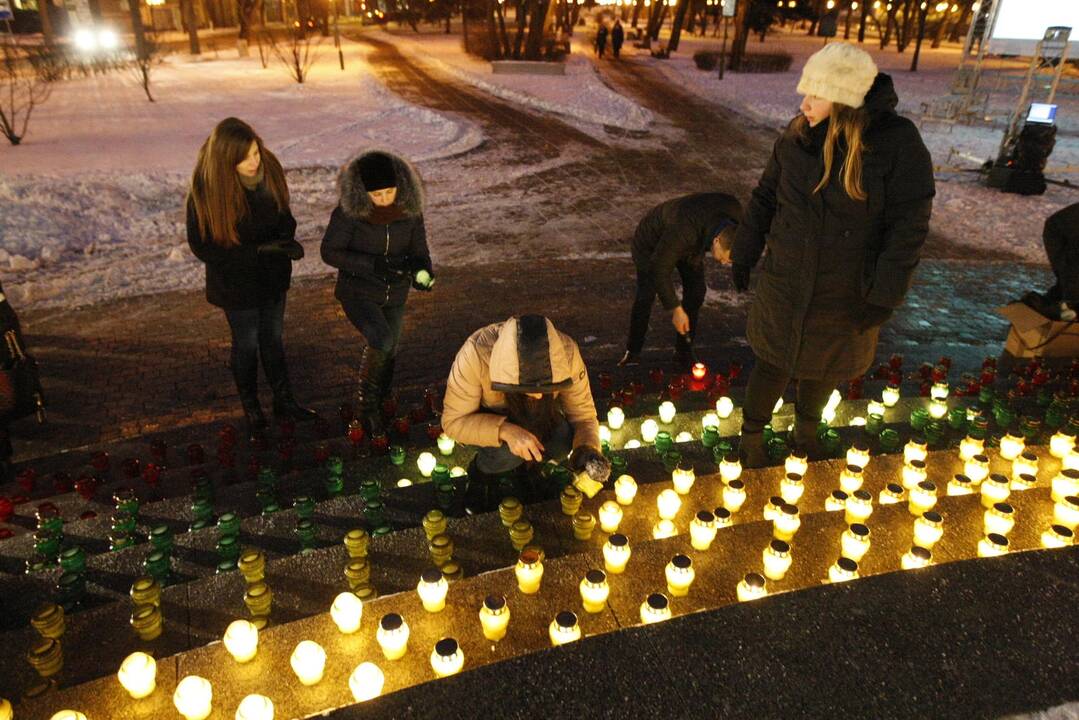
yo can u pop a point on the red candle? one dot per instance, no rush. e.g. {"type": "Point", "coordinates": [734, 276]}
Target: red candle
{"type": "Point", "coordinates": [401, 426]}
{"type": "Point", "coordinates": [26, 479]}
{"type": "Point", "coordinates": [699, 371]}
{"type": "Point", "coordinates": [434, 429]}
{"type": "Point", "coordinates": [380, 443]}
{"type": "Point", "coordinates": [896, 362]}
{"type": "Point", "coordinates": [355, 432]}
{"type": "Point", "coordinates": [86, 486]}
{"type": "Point", "coordinates": [417, 414]}
{"type": "Point", "coordinates": [151, 474]}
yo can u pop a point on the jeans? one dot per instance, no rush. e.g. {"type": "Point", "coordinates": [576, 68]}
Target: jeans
{"type": "Point", "coordinates": [498, 460]}
{"type": "Point", "coordinates": [380, 325]}
{"type": "Point", "coordinates": [257, 332]}
{"type": "Point", "coordinates": [766, 386]}
{"type": "Point", "coordinates": [693, 292]}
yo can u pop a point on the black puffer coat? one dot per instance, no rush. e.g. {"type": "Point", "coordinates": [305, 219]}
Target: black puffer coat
{"type": "Point", "coordinates": [829, 255]}
{"type": "Point", "coordinates": [376, 260]}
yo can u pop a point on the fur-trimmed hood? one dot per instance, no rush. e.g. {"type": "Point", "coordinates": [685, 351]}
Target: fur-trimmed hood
{"type": "Point", "coordinates": [357, 204]}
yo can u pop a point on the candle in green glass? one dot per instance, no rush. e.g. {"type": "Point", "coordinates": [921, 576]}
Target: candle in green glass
{"type": "Point", "coordinates": [957, 419]}
{"type": "Point", "coordinates": [618, 464]}
{"type": "Point", "coordinates": [663, 442]}
{"type": "Point", "coordinates": [370, 490]}
{"type": "Point", "coordinates": [306, 531]}
{"type": "Point", "coordinates": [671, 459]}
{"type": "Point", "coordinates": [373, 511]}
{"type": "Point", "coordinates": [335, 465]}
{"type": "Point", "coordinates": [123, 521]}
{"type": "Point", "coordinates": [334, 484]}
{"type": "Point", "coordinates": [203, 510]}
{"type": "Point", "coordinates": [73, 559]}
{"type": "Point", "coordinates": [228, 548]}
{"type": "Point", "coordinates": [874, 424]}
{"type": "Point", "coordinates": [889, 440]}
{"type": "Point", "coordinates": [441, 473]}
{"type": "Point", "coordinates": [47, 544]}
{"type": "Point", "coordinates": [304, 507]}
{"type": "Point", "coordinates": [125, 500]}
{"type": "Point", "coordinates": [397, 455]}
{"type": "Point", "coordinates": [120, 541]}
{"type": "Point", "coordinates": [70, 590]}
{"type": "Point", "coordinates": [919, 418]}
{"type": "Point", "coordinates": [710, 437]}
{"type": "Point", "coordinates": [157, 566]}
{"type": "Point", "coordinates": [161, 538]}
{"type": "Point", "coordinates": [228, 525]}
{"type": "Point", "coordinates": [830, 442]}
{"type": "Point", "coordinates": [267, 478]}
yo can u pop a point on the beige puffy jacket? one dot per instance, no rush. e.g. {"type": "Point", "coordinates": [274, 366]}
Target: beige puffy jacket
{"type": "Point", "coordinates": [491, 361]}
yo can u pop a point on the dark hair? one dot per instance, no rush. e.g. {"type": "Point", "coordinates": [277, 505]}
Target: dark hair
{"type": "Point", "coordinates": [539, 416]}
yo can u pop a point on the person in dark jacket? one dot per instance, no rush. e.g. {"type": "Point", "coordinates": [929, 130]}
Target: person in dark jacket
{"type": "Point", "coordinates": [377, 241]}
{"type": "Point", "coordinates": [618, 37]}
{"type": "Point", "coordinates": [601, 39]}
{"type": "Point", "coordinates": [1061, 238]}
{"type": "Point", "coordinates": [676, 235]}
{"type": "Point", "coordinates": [842, 210]}
{"type": "Point", "coordinates": [239, 224]}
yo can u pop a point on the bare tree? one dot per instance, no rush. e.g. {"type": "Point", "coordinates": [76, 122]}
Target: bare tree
{"type": "Point", "coordinates": [22, 88]}
{"type": "Point", "coordinates": [296, 51]}
{"type": "Point", "coordinates": [147, 55]}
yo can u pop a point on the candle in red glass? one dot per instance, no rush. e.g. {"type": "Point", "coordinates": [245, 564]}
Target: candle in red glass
{"type": "Point", "coordinates": [27, 479]}
{"type": "Point", "coordinates": [989, 376]}
{"type": "Point", "coordinates": [159, 451]}
{"type": "Point", "coordinates": [734, 370]}
{"type": "Point", "coordinates": [195, 454]}
{"type": "Point", "coordinates": [854, 392]}
{"type": "Point", "coordinates": [924, 389]}
{"type": "Point", "coordinates": [100, 462]}
{"type": "Point", "coordinates": [227, 435]}
{"type": "Point", "coordinates": [605, 381]}
{"type": "Point", "coordinates": [700, 370]}
{"type": "Point", "coordinates": [657, 377]}
{"type": "Point", "coordinates": [151, 474]}
{"type": "Point", "coordinates": [1041, 377]}
{"type": "Point", "coordinates": [355, 433]}
{"type": "Point", "coordinates": [389, 407]}
{"type": "Point", "coordinates": [940, 374]}
{"type": "Point", "coordinates": [345, 413]}
{"type": "Point", "coordinates": [973, 387]}
{"type": "Point", "coordinates": [895, 379]}
{"type": "Point", "coordinates": [674, 390]}
{"type": "Point", "coordinates": [380, 443]}
{"type": "Point", "coordinates": [417, 414]}
{"type": "Point", "coordinates": [638, 387]}
{"type": "Point", "coordinates": [86, 486]}
{"type": "Point", "coordinates": [7, 509]}
{"type": "Point", "coordinates": [322, 453]}
{"type": "Point", "coordinates": [629, 398]}
{"type": "Point", "coordinates": [989, 362]}
{"type": "Point", "coordinates": [6, 533]}
{"type": "Point", "coordinates": [945, 362]}
{"type": "Point", "coordinates": [401, 426]}
{"type": "Point", "coordinates": [896, 362]}
{"type": "Point", "coordinates": [132, 468]}
{"type": "Point", "coordinates": [434, 429]}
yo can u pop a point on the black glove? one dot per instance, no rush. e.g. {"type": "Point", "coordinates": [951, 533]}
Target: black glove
{"type": "Point", "coordinates": [740, 276]}
{"type": "Point", "coordinates": [290, 248]}
{"type": "Point", "coordinates": [870, 316]}
{"type": "Point", "coordinates": [425, 287]}
{"type": "Point", "coordinates": [588, 459]}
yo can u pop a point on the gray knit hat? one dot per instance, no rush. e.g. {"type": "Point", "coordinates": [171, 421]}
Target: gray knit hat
{"type": "Point", "coordinates": [839, 72]}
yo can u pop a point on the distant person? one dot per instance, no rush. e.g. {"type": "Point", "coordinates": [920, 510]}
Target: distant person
{"type": "Point", "coordinates": [842, 209]}
{"type": "Point", "coordinates": [378, 242]}
{"type": "Point", "coordinates": [601, 39]}
{"type": "Point", "coordinates": [519, 390]}
{"type": "Point", "coordinates": [674, 237]}
{"type": "Point", "coordinates": [239, 224]}
{"type": "Point", "coordinates": [618, 37]}
{"type": "Point", "coordinates": [1061, 238]}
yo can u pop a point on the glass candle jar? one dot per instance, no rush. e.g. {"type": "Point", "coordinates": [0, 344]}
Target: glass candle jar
{"type": "Point", "coordinates": [649, 430]}
{"type": "Point", "coordinates": [1066, 512]}
{"type": "Point", "coordinates": [858, 456]}
{"type": "Point", "coordinates": [655, 608]}
{"type": "Point", "coordinates": [913, 473]}
{"type": "Point", "coordinates": [668, 504]}
{"type": "Point", "coordinates": [992, 545]}
{"type": "Point", "coordinates": [616, 418]}
{"type": "Point", "coordinates": [138, 675]}
{"type": "Point", "coordinates": [938, 409]}
{"type": "Point", "coordinates": [610, 516]}
{"type": "Point", "coordinates": [664, 529]}
{"type": "Point", "coordinates": [723, 517]}
{"type": "Point", "coordinates": [960, 484]}
{"type": "Point", "coordinates": [892, 494]}
{"type": "Point", "coordinates": [564, 628]}
{"type": "Point", "coordinates": [854, 542]}
{"type": "Point", "coordinates": [751, 587]}
{"type": "Point", "coordinates": [786, 523]}
{"type": "Point", "coordinates": [977, 469]}
{"type": "Point", "coordinates": [447, 658]}
{"type": "Point", "coordinates": [777, 559]}
{"type": "Point", "coordinates": [625, 489]}
{"type": "Point", "coordinates": [446, 444]}
{"type": "Point", "coordinates": [734, 495]}
{"type": "Point", "coordinates": [922, 498]}
{"type": "Point", "coordinates": [255, 707]}
{"type": "Point", "coordinates": [1061, 444]}
{"type": "Point", "coordinates": [850, 479]}
{"type": "Point", "coordinates": [680, 575]}
{"type": "Point", "coordinates": [1064, 484]}
{"type": "Point", "coordinates": [928, 529]}
{"type": "Point", "coordinates": [1026, 463]}
{"type": "Point", "coordinates": [916, 557]}
{"type": "Point", "coordinates": [366, 682]}
{"type": "Point", "coordinates": [426, 463]}
{"type": "Point", "coordinates": [241, 640]}
{"type": "Point", "coordinates": [791, 488]}
{"type": "Point", "coordinates": [797, 463]}
{"type": "Point", "coordinates": [915, 449]}
{"type": "Point", "coordinates": [724, 407]}
{"type": "Point", "coordinates": [683, 479]}
{"type": "Point", "coordinates": [970, 446]}
{"type": "Point", "coordinates": [859, 507]}
{"type": "Point", "coordinates": [995, 488]}
{"type": "Point", "coordinates": [1071, 460]}
{"type": "Point", "coordinates": [193, 698]}
{"type": "Point", "coordinates": [1011, 446]}
{"type": "Point", "coordinates": [999, 519]}
{"type": "Point", "coordinates": [346, 611]}
{"type": "Point", "coordinates": [710, 420]}
{"type": "Point", "coordinates": [529, 571]}
{"type": "Point", "coordinates": [702, 530]}
{"type": "Point", "coordinates": [432, 590]}
{"type": "Point", "coordinates": [666, 412]}
{"type": "Point", "coordinates": [1057, 536]}
{"type": "Point", "coordinates": [494, 617]}
{"type": "Point", "coordinates": [616, 552]}
{"type": "Point", "coordinates": [308, 661]}
{"type": "Point", "coordinates": [730, 468]}
{"type": "Point", "coordinates": [836, 501]}
{"type": "Point", "coordinates": [594, 591]}
{"type": "Point", "coordinates": [842, 570]}
{"type": "Point", "coordinates": [392, 636]}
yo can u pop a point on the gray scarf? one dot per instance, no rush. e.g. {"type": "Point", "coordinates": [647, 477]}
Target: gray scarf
{"type": "Point", "coordinates": [252, 183]}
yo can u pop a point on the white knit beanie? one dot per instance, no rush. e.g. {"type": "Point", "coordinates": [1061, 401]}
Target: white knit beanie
{"type": "Point", "coordinates": [839, 72]}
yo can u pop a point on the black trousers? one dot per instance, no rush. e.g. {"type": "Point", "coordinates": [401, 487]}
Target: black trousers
{"type": "Point", "coordinates": [766, 386]}
{"type": "Point", "coordinates": [380, 325]}
{"type": "Point", "coordinates": [257, 333]}
{"type": "Point", "coordinates": [693, 292]}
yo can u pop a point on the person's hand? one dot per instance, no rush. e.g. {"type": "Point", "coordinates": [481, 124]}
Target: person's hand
{"type": "Point", "coordinates": [290, 248]}
{"type": "Point", "coordinates": [587, 459]}
{"type": "Point", "coordinates": [680, 320]}
{"type": "Point", "coordinates": [869, 316]}
{"type": "Point", "coordinates": [521, 443]}
{"type": "Point", "coordinates": [423, 280]}
{"type": "Point", "coordinates": [721, 254]}
{"type": "Point", "coordinates": [740, 276]}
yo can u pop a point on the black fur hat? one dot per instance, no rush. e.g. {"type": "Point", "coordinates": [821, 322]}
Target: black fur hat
{"type": "Point", "coordinates": [377, 172]}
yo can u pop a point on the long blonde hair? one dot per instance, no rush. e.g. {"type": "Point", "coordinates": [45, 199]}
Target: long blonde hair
{"type": "Point", "coordinates": [847, 125]}
{"type": "Point", "coordinates": [216, 192]}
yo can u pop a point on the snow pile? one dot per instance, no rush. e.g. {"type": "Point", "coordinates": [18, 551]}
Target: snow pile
{"type": "Point", "coordinates": [579, 94]}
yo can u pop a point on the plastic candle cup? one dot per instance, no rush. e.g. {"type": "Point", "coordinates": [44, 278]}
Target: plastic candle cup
{"type": "Point", "coordinates": [1011, 446]}
{"type": "Point", "coordinates": [777, 559]}
{"type": "Point", "coordinates": [594, 591]}
{"type": "Point", "coordinates": [928, 529]}
{"type": "Point", "coordinates": [734, 495]}
{"type": "Point", "coordinates": [1064, 484]}
{"type": "Point", "coordinates": [1026, 463]}
{"type": "Point", "coordinates": [730, 468]}
{"type": "Point", "coordinates": [854, 543]}
{"type": "Point", "coordinates": [892, 494]}
{"type": "Point", "coordinates": [916, 557]}
{"type": "Point", "coordinates": [859, 507]}
{"type": "Point", "coordinates": [890, 395]}
{"type": "Point", "coordinates": [960, 484]}
{"type": "Point", "coordinates": [977, 469]}
{"type": "Point", "coordinates": [242, 640]}
{"type": "Point", "coordinates": [664, 529]}
{"type": "Point", "coordinates": [969, 447]}
{"type": "Point", "coordinates": [529, 572]}
{"type": "Point", "coordinates": [666, 412]}
{"type": "Point", "coordinates": [392, 636]}
{"type": "Point", "coordinates": [836, 501]}
{"type": "Point", "coordinates": [649, 430]}
{"type": "Point", "coordinates": [616, 418]}
{"type": "Point", "coordinates": [850, 479]}
{"type": "Point", "coordinates": [457, 471]}
{"type": "Point", "coordinates": [1061, 444]}
{"type": "Point", "coordinates": [494, 617]}
{"type": "Point", "coordinates": [914, 450]}
{"type": "Point", "coordinates": [858, 455]}
{"type": "Point", "coordinates": [346, 611]}
{"type": "Point", "coordinates": [684, 437]}
{"type": "Point", "coordinates": [724, 407]}
{"type": "Point", "coordinates": [723, 517]}
{"type": "Point", "coordinates": [1066, 512]}
{"type": "Point", "coordinates": [1057, 536]}
{"type": "Point", "coordinates": [680, 575]}
{"type": "Point", "coordinates": [193, 698]}
{"type": "Point", "coordinates": [796, 463]}
{"type": "Point", "coordinates": [992, 545]}
{"type": "Point", "coordinates": [771, 509]}
{"type": "Point", "coordinates": [939, 391]}
{"type": "Point", "coordinates": [710, 420]}
{"type": "Point", "coordinates": [655, 608]}
{"type": "Point", "coordinates": [446, 444]}
{"type": "Point", "coordinates": [604, 434]}
{"type": "Point", "coordinates": [616, 552]}
{"type": "Point", "coordinates": [786, 523]}
{"type": "Point", "coordinates": [668, 503]}
{"type": "Point", "coordinates": [610, 516]}
{"type": "Point", "coordinates": [68, 715]}
{"type": "Point", "coordinates": [1071, 460]}
{"type": "Point", "coordinates": [995, 488]}
{"type": "Point", "coordinates": [683, 479]}
{"type": "Point", "coordinates": [447, 658]}
{"type": "Point", "coordinates": [366, 682]}
{"type": "Point", "coordinates": [751, 587]}
{"type": "Point", "coordinates": [702, 530]}
{"type": "Point", "coordinates": [938, 409]}
{"type": "Point", "coordinates": [1024, 482]}
{"type": "Point", "coordinates": [922, 498]}
{"type": "Point", "coordinates": [999, 519]}
{"type": "Point", "coordinates": [791, 488]}
{"type": "Point", "coordinates": [138, 675]}
{"type": "Point", "coordinates": [913, 473]}
{"type": "Point", "coordinates": [564, 628]}
{"type": "Point", "coordinates": [843, 570]}
{"type": "Point", "coordinates": [874, 407]}
{"type": "Point", "coordinates": [625, 489]}
{"type": "Point", "coordinates": [432, 590]}
{"type": "Point", "coordinates": [255, 707]}
{"type": "Point", "coordinates": [308, 662]}
{"type": "Point", "coordinates": [426, 463]}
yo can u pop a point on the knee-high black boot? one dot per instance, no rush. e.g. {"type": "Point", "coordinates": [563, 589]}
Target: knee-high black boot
{"type": "Point", "coordinates": [248, 389]}
{"type": "Point", "coordinates": [387, 378]}
{"type": "Point", "coordinates": [284, 403]}
{"type": "Point", "coordinates": [369, 390]}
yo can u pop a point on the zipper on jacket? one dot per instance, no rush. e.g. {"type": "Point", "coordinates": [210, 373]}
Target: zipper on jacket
{"type": "Point", "coordinates": [386, 254]}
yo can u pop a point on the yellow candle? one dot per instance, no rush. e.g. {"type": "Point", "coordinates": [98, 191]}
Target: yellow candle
{"type": "Point", "coordinates": [892, 494]}
{"type": "Point", "coordinates": [913, 473]}
{"type": "Point", "coordinates": [787, 522]}
{"type": "Point", "coordinates": [854, 542]}
{"type": "Point", "coordinates": [432, 590]}
{"type": "Point", "coordinates": [916, 557]}
{"type": "Point", "coordinates": [724, 407]}
{"type": "Point", "coordinates": [1064, 484]}
{"type": "Point", "coordinates": [791, 488]}
{"type": "Point", "coordinates": [1057, 536]}
{"type": "Point", "coordinates": [777, 559]}
{"type": "Point", "coordinates": [193, 698]}
{"type": "Point", "coordinates": [529, 572]}
{"type": "Point", "coordinates": [649, 430]}
{"type": "Point", "coordinates": [850, 479]}
{"type": "Point", "coordinates": [995, 488]}
{"type": "Point", "coordinates": [771, 509]}
{"type": "Point", "coordinates": [655, 608]}
{"type": "Point", "coordinates": [992, 545]}
{"type": "Point", "coordinates": [1011, 446]}
{"type": "Point", "coordinates": [242, 640]}
{"type": "Point", "coordinates": [564, 628]}
{"type": "Point", "coordinates": [1071, 460]}
{"type": "Point", "coordinates": [615, 418]}
{"type": "Point", "coordinates": [1025, 464]}
{"type": "Point", "coordinates": [734, 495]}
{"type": "Point", "coordinates": [836, 501]}
{"type": "Point", "coordinates": [625, 489]}
{"type": "Point", "coordinates": [68, 715]}
{"type": "Point", "coordinates": [495, 617]}
{"type": "Point", "coordinates": [138, 675]}
{"type": "Point", "coordinates": [366, 682]}
{"type": "Point", "coordinates": [255, 707]}
{"type": "Point", "coordinates": [680, 574]}
{"type": "Point", "coordinates": [668, 503]}
{"type": "Point", "coordinates": [604, 434]}
{"type": "Point", "coordinates": [890, 395]}
{"type": "Point", "coordinates": [664, 529]}
{"type": "Point", "coordinates": [843, 570]}
{"type": "Point", "coordinates": [1061, 444]}
{"type": "Point", "coordinates": [914, 450]}
{"type": "Point", "coordinates": [1066, 512]}
{"type": "Point", "coordinates": [683, 479]}
{"type": "Point", "coordinates": [999, 519]}
{"type": "Point", "coordinates": [1024, 482]}
{"type": "Point", "coordinates": [392, 636]}
{"type": "Point", "coordinates": [308, 662]}
{"type": "Point", "coordinates": [796, 463]}
{"type": "Point", "coordinates": [960, 484]}
{"type": "Point", "coordinates": [858, 456]}
{"type": "Point", "coordinates": [751, 587]}
{"type": "Point", "coordinates": [922, 498]}
{"type": "Point", "coordinates": [938, 409]}
{"type": "Point", "coordinates": [616, 553]}
{"type": "Point", "coordinates": [928, 529]}
{"type": "Point", "coordinates": [447, 658]}
{"type": "Point", "coordinates": [684, 437]}
{"type": "Point", "coordinates": [666, 412]}
{"type": "Point", "coordinates": [346, 611]}
{"type": "Point", "coordinates": [977, 469]}
{"type": "Point", "coordinates": [710, 420]}
{"type": "Point", "coordinates": [730, 468]}
{"type": "Point", "coordinates": [702, 531]}
{"type": "Point", "coordinates": [594, 591]}
{"type": "Point", "coordinates": [426, 463]}
{"type": "Point", "coordinates": [969, 447]}
{"type": "Point", "coordinates": [939, 391]}
{"type": "Point", "coordinates": [723, 517]}
{"type": "Point", "coordinates": [610, 516]}
{"type": "Point", "coordinates": [859, 507]}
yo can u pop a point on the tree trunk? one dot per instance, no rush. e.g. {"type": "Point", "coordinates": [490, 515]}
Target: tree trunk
{"type": "Point", "coordinates": [941, 27]}
{"type": "Point", "coordinates": [889, 23]}
{"type": "Point", "coordinates": [964, 18]}
{"type": "Point", "coordinates": [535, 29]}
{"type": "Point", "coordinates": [862, 22]}
{"type": "Point", "coordinates": [846, 23]}
{"type": "Point", "coordinates": [741, 34]}
{"type": "Point", "coordinates": [910, 9]}
{"type": "Point", "coordinates": [46, 20]}
{"type": "Point", "coordinates": [187, 12]}
{"type": "Point", "coordinates": [676, 28]}
{"type": "Point", "coordinates": [921, 35]}
{"type": "Point", "coordinates": [636, 12]}
{"type": "Point", "coordinates": [519, 39]}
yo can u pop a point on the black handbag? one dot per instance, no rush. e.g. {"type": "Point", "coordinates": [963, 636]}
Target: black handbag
{"type": "Point", "coordinates": [20, 386]}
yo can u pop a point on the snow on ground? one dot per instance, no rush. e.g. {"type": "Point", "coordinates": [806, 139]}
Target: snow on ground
{"type": "Point", "coordinates": [577, 95]}
{"type": "Point", "coordinates": [93, 199]}
{"type": "Point", "coordinates": [966, 213]}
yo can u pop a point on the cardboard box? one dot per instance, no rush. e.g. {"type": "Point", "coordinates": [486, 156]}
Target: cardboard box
{"type": "Point", "coordinates": [1034, 335]}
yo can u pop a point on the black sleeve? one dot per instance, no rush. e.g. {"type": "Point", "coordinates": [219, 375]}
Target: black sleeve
{"type": "Point", "coordinates": [419, 257]}
{"type": "Point", "coordinates": [209, 252]}
{"type": "Point", "coordinates": [750, 241]}
{"type": "Point", "coordinates": [335, 252]}
{"type": "Point", "coordinates": [669, 251]}
{"type": "Point", "coordinates": [286, 225]}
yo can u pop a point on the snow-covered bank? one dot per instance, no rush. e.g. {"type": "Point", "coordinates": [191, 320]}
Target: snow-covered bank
{"type": "Point", "coordinates": [92, 201]}
{"type": "Point", "coordinates": [579, 94]}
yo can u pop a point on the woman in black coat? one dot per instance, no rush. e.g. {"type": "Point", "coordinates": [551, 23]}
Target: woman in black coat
{"type": "Point", "coordinates": [377, 241]}
{"type": "Point", "coordinates": [842, 210]}
{"type": "Point", "coordinates": [240, 226]}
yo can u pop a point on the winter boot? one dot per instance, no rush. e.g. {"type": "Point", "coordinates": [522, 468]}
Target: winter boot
{"type": "Point", "coordinates": [630, 359]}
{"type": "Point", "coordinates": [481, 491]}
{"type": "Point", "coordinates": [752, 449]}
{"type": "Point", "coordinates": [254, 420]}
{"type": "Point", "coordinates": [387, 379]}
{"type": "Point", "coordinates": [285, 405]}
{"type": "Point", "coordinates": [805, 436]}
{"type": "Point", "coordinates": [369, 389]}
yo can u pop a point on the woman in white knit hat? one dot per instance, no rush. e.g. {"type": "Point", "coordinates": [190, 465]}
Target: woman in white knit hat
{"type": "Point", "coordinates": [842, 210]}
